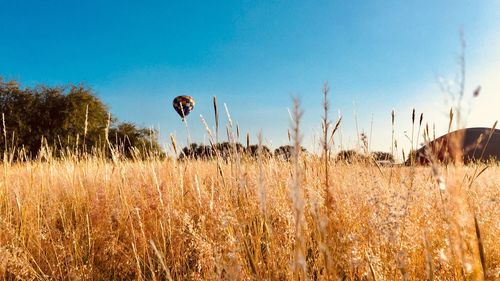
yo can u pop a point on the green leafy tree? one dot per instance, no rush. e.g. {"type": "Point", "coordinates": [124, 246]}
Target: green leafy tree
{"type": "Point", "coordinates": [134, 142]}
{"type": "Point", "coordinates": [66, 118]}
{"type": "Point", "coordinates": [86, 117]}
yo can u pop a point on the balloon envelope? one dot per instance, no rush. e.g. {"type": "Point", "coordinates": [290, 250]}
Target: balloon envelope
{"type": "Point", "coordinates": [183, 105]}
{"type": "Point", "coordinates": [467, 143]}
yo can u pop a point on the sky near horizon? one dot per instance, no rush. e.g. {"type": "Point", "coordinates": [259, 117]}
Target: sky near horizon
{"type": "Point", "coordinates": [255, 55]}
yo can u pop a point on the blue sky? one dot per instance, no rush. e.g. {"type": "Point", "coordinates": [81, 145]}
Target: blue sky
{"type": "Point", "coordinates": [254, 55]}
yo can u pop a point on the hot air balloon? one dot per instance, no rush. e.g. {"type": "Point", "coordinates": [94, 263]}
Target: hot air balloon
{"type": "Point", "coordinates": [183, 105]}
{"type": "Point", "coordinates": [471, 147]}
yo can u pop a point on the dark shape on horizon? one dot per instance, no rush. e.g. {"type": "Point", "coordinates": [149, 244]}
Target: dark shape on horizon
{"type": "Point", "coordinates": [352, 156]}
{"type": "Point", "coordinates": [227, 150]}
{"type": "Point", "coordinates": [254, 150]}
{"type": "Point", "coordinates": [286, 152]}
{"type": "Point", "coordinates": [224, 150]}
{"type": "Point", "coordinates": [382, 158]}
{"type": "Point", "coordinates": [183, 105]}
{"type": "Point", "coordinates": [467, 145]}
{"type": "Point", "coordinates": [349, 156]}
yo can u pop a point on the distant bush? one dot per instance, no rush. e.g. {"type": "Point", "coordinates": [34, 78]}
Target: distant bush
{"type": "Point", "coordinates": [204, 152]}
{"type": "Point", "coordinates": [350, 156]}
{"type": "Point", "coordinates": [253, 151]}
{"type": "Point", "coordinates": [353, 156]}
{"type": "Point", "coordinates": [286, 152]}
{"type": "Point", "coordinates": [225, 150]}
{"type": "Point", "coordinates": [134, 142]}
{"type": "Point", "coordinates": [382, 156]}
{"type": "Point", "coordinates": [196, 151]}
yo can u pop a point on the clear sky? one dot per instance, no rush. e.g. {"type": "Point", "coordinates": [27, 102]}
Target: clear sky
{"type": "Point", "coordinates": [254, 55]}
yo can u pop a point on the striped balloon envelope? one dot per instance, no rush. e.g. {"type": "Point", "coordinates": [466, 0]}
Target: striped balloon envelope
{"type": "Point", "coordinates": [183, 105]}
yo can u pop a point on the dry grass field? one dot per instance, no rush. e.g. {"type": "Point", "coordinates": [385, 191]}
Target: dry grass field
{"type": "Point", "coordinates": [239, 216]}
{"type": "Point", "coordinates": [247, 219]}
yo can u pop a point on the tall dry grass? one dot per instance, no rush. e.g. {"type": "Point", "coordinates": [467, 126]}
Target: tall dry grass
{"type": "Point", "coordinates": [95, 219]}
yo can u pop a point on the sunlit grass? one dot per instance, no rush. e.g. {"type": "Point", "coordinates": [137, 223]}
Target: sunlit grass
{"type": "Point", "coordinates": [165, 219]}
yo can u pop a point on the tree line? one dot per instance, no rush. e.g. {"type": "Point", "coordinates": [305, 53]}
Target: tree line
{"type": "Point", "coordinates": [70, 119]}
{"type": "Point", "coordinates": [226, 150]}
{"type": "Point", "coordinates": [73, 120]}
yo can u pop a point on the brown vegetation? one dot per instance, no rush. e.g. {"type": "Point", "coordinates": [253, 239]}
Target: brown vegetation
{"type": "Point", "coordinates": [241, 214]}
{"type": "Point", "coordinates": [471, 144]}
{"type": "Point", "coordinates": [162, 219]}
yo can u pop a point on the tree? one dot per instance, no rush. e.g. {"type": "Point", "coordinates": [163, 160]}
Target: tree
{"type": "Point", "coordinates": [134, 142]}
{"type": "Point", "coordinates": [16, 107]}
{"type": "Point", "coordinates": [225, 151]}
{"type": "Point", "coordinates": [286, 152]}
{"type": "Point", "coordinates": [86, 116]}
{"type": "Point", "coordinates": [196, 151]}
{"type": "Point", "coordinates": [350, 156]}
{"type": "Point", "coordinates": [382, 156]}
{"type": "Point", "coordinates": [253, 151]}
{"type": "Point", "coordinates": [65, 118]}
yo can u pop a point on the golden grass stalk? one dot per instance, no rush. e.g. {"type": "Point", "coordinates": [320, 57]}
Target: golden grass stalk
{"type": "Point", "coordinates": [296, 195]}
{"type": "Point", "coordinates": [325, 142]}
{"type": "Point", "coordinates": [98, 219]}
